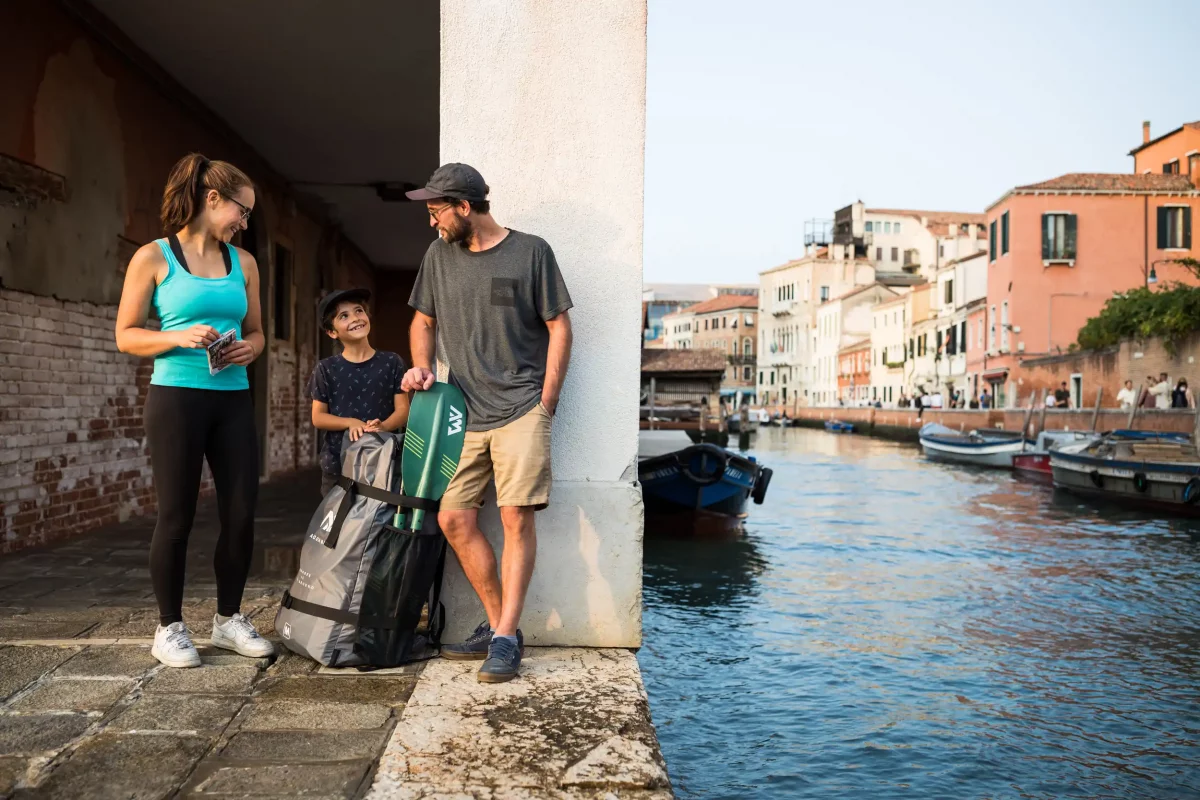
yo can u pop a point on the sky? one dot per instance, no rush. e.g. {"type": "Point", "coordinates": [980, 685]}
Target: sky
{"type": "Point", "coordinates": [761, 115]}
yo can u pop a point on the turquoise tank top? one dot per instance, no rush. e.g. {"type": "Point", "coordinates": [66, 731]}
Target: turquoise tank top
{"type": "Point", "coordinates": [183, 300]}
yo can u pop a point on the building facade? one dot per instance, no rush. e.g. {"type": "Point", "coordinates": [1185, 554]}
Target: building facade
{"type": "Point", "coordinates": [727, 324]}
{"type": "Point", "coordinates": [1060, 248]}
{"type": "Point", "coordinates": [1174, 153]}
{"type": "Point", "coordinates": [889, 349]}
{"type": "Point", "coordinates": [854, 374]}
{"type": "Point", "coordinates": [677, 330]}
{"type": "Point", "coordinates": [842, 322]}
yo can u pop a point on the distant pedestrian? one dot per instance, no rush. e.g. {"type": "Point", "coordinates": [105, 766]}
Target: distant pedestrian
{"type": "Point", "coordinates": [1147, 398]}
{"type": "Point", "coordinates": [1062, 396]}
{"type": "Point", "coordinates": [1127, 397]}
{"type": "Point", "coordinates": [985, 400]}
{"type": "Point", "coordinates": [1162, 391]}
{"type": "Point", "coordinates": [1182, 396]}
{"type": "Point", "coordinates": [1050, 401]}
{"type": "Point", "coordinates": [204, 292]}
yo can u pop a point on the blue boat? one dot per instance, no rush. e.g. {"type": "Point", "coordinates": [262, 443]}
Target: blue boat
{"type": "Point", "coordinates": [680, 477]}
{"type": "Point", "coordinates": [837, 426]}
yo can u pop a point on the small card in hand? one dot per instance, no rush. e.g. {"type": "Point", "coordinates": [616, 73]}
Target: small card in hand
{"type": "Point", "coordinates": [216, 351]}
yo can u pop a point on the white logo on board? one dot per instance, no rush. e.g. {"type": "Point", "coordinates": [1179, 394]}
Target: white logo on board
{"type": "Point", "coordinates": [456, 421]}
{"type": "Point", "coordinates": [327, 523]}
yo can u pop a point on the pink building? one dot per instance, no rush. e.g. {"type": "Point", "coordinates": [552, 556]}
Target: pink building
{"type": "Point", "coordinates": [1059, 249]}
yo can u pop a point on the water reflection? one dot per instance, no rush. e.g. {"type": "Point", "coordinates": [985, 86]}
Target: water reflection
{"type": "Point", "coordinates": [889, 626]}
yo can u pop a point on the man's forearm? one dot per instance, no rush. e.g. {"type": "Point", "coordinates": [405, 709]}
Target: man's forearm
{"type": "Point", "coordinates": [422, 336]}
{"type": "Point", "coordinates": [558, 358]}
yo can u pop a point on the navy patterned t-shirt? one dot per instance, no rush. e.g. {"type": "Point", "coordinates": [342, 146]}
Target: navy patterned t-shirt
{"type": "Point", "coordinates": [363, 391]}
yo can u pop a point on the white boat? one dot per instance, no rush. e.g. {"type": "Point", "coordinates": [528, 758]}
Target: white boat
{"type": "Point", "coordinates": [981, 448]}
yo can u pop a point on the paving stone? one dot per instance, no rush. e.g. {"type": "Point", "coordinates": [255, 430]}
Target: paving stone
{"type": "Point", "coordinates": [291, 780]}
{"type": "Point", "coordinates": [73, 694]}
{"type": "Point", "coordinates": [178, 712]}
{"type": "Point", "coordinates": [288, 663]}
{"type": "Point", "coordinates": [39, 733]}
{"type": "Point", "coordinates": [219, 657]}
{"type": "Point", "coordinates": [205, 680]}
{"type": "Point", "coordinates": [299, 746]}
{"type": "Point", "coordinates": [12, 769]}
{"type": "Point", "coordinates": [291, 715]}
{"type": "Point", "coordinates": [20, 666]}
{"type": "Point", "coordinates": [129, 767]}
{"type": "Point", "coordinates": [110, 661]}
{"type": "Point", "coordinates": [381, 691]}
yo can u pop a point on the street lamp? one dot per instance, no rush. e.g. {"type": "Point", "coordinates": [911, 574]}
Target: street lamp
{"type": "Point", "coordinates": [1152, 276]}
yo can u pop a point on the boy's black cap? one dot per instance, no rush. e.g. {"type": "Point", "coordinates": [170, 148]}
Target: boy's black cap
{"type": "Point", "coordinates": [458, 181]}
{"type": "Point", "coordinates": [330, 302]}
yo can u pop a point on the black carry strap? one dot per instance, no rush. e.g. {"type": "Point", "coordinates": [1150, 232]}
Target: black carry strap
{"type": "Point", "coordinates": [435, 602]}
{"type": "Point", "coordinates": [354, 488]}
{"type": "Point", "coordinates": [336, 614]}
{"type": "Point", "coordinates": [177, 249]}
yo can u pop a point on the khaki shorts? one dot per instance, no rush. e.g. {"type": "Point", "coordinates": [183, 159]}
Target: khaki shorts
{"type": "Point", "coordinates": [517, 455]}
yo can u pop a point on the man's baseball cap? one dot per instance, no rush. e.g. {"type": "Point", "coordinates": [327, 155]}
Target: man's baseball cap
{"type": "Point", "coordinates": [329, 303]}
{"type": "Point", "coordinates": [457, 181]}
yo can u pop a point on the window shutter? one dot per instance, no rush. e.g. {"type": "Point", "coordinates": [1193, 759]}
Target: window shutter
{"type": "Point", "coordinates": [1046, 221]}
{"type": "Point", "coordinates": [1162, 227]}
{"type": "Point", "coordinates": [1187, 228]}
{"type": "Point", "coordinates": [992, 241]}
{"type": "Point", "coordinates": [1004, 233]}
{"type": "Point", "coordinates": [1072, 228]}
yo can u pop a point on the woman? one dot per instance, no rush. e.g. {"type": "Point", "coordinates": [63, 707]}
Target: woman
{"type": "Point", "coordinates": [1181, 397]}
{"type": "Point", "coordinates": [199, 408]}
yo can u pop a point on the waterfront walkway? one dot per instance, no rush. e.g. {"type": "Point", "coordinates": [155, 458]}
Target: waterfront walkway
{"type": "Point", "coordinates": [85, 711]}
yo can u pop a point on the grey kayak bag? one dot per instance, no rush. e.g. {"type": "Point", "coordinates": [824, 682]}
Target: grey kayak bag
{"type": "Point", "coordinates": [362, 584]}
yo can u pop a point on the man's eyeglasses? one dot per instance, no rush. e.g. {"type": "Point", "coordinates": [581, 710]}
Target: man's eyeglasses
{"type": "Point", "coordinates": [434, 213]}
{"type": "Point", "coordinates": [245, 209]}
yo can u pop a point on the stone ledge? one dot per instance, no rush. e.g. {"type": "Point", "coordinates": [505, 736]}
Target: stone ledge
{"type": "Point", "coordinates": [575, 724]}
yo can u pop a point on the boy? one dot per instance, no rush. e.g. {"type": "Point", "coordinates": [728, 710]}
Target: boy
{"type": "Point", "coordinates": [357, 390]}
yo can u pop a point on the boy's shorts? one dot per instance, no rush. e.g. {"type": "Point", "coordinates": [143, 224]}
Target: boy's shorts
{"type": "Point", "coordinates": [517, 455]}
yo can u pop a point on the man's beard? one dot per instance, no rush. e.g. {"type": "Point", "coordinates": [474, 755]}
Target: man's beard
{"type": "Point", "coordinates": [457, 231]}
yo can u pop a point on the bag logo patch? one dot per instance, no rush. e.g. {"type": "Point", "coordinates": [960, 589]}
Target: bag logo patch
{"type": "Point", "coordinates": [456, 421]}
{"type": "Point", "coordinates": [287, 630]}
{"type": "Point", "coordinates": [327, 523]}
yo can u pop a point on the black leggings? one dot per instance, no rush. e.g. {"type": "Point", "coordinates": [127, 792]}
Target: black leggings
{"type": "Point", "coordinates": [184, 428]}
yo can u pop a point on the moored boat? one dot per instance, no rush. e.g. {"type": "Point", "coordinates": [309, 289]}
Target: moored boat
{"type": "Point", "coordinates": [679, 476]}
{"type": "Point", "coordinates": [1138, 468]}
{"type": "Point", "coordinates": [1034, 463]}
{"type": "Point", "coordinates": [985, 447]}
{"type": "Point", "coordinates": [837, 426]}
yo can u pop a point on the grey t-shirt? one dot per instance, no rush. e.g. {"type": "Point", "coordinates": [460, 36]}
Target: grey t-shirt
{"type": "Point", "coordinates": [491, 309]}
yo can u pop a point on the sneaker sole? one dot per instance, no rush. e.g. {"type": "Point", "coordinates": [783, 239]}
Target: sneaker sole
{"type": "Point", "coordinates": [226, 644]}
{"type": "Point", "coordinates": [493, 677]}
{"type": "Point", "coordinates": [450, 655]}
{"type": "Point", "coordinates": [177, 664]}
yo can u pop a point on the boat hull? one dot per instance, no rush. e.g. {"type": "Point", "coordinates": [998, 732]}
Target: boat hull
{"type": "Point", "coordinates": [1164, 487]}
{"type": "Point", "coordinates": [987, 454]}
{"type": "Point", "coordinates": [1034, 466]}
{"type": "Point", "coordinates": [702, 478]}
{"type": "Point", "coordinates": [834, 426]}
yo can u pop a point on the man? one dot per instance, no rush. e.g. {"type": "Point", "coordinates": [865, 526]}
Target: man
{"type": "Point", "coordinates": [985, 400]}
{"type": "Point", "coordinates": [495, 301]}
{"type": "Point", "coordinates": [1161, 391]}
{"type": "Point", "coordinates": [1062, 396]}
{"type": "Point", "coordinates": [1127, 397]}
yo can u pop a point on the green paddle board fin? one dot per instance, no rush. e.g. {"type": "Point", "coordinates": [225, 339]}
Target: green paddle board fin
{"type": "Point", "coordinates": [433, 443]}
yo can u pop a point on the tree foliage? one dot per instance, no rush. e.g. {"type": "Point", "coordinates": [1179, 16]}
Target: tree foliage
{"type": "Point", "coordinates": [1172, 314]}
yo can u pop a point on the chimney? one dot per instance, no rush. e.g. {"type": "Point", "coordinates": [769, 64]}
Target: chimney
{"type": "Point", "coordinates": [1146, 132]}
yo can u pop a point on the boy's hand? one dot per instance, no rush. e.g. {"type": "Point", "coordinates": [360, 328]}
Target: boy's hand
{"type": "Point", "coordinates": [417, 379]}
{"type": "Point", "coordinates": [357, 428]}
{"type": "Point", "coordinates": [373, 426]}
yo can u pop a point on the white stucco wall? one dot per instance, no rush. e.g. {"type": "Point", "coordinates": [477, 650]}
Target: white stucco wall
{"type": "Point", "coordinates": [547, 100]}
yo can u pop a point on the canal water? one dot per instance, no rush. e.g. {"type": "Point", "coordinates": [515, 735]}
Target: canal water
{"type": "Point", "coordinates": [889, 627]}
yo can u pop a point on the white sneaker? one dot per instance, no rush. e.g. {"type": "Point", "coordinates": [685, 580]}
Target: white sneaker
{"type": "Point", "coordinates": [239, 636]}
{"type": "Point", "coordinates": [173, 646]}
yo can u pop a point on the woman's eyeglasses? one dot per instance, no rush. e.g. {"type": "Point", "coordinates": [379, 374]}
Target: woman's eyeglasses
{"type": "Point", "coordinates": [245, 209]}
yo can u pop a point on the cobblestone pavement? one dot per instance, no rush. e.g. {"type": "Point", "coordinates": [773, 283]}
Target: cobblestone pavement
{"type": "Point", "coordinates": [87, 712]}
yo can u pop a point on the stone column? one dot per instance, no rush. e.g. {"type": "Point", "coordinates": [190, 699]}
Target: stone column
{"type": "Point", "coordinates": [547, 100]}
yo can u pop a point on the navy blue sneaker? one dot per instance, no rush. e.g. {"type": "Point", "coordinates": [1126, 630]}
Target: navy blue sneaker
{"type": "Point", "coordinates": [475, 647]}
{"type": "Point", "coordinates": [503, 661]}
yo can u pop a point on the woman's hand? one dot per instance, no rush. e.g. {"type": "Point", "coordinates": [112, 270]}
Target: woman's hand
{"type": "Point", "coordinates": [240, 352]}
{"type": "Point", "coordinates": [195, 337]}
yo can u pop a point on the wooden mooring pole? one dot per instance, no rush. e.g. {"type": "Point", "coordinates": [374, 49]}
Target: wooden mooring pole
{"type": "Point", "coordinates": [1042, 413]}
{"type": "Point", "coordinates": [651, 416]}
{"type": "Point", "coordinates": [1028, 418]}
{"type": "Point", "coordinates": [1096, 410]}
{"type": "Point", "coordinates": [1137, 403]}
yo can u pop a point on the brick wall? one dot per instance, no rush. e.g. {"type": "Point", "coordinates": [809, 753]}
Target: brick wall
{"type": "Point", "coordinates": [74, 453]}
{"type": "Point", "coordinates": [1108, 369]}
{"type": "Point", "coordinates": [290, 431]}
